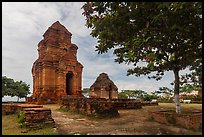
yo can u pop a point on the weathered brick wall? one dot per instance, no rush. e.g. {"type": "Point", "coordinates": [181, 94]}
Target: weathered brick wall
{"type": "Point", "coordinates": [126, 104]}
{"type": "Point", "coordinates": [149, 103]}
{"type": "Point", "coordinates": [89, 105]}
{"type": "Point", "coordinates": [38, 117]}
{"type": "Point", "coordinates": [43, 100]}
{"type": "Point", "coordinates": [98, 105]}
{"type": "Point", "coordinates": [35, 115]}
{"type": "Point", "coordinates": [189, 121]}
{"type": "Point", "coordinates": [9, 108]}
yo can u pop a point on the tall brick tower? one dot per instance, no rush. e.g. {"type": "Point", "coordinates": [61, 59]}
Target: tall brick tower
{"type": "Point", "coordinates": [56, 72]}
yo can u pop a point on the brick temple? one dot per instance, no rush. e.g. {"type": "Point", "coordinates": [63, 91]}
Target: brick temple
{"type": "Point", "coordinates": [56, 73]}
{"type": "Point", "coordinates": [103, 87]}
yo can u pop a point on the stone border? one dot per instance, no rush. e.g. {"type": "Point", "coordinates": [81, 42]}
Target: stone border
{"type": "Point", "coordinates": [99, 106]}
{"type": "Point", "coordinates": [189, 121]}
{"type": "Point", "coordinates": [34, 116]}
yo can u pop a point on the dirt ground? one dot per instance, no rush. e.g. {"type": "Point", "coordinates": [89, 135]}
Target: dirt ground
{"type": "Point", "coordinates": [130, 122]}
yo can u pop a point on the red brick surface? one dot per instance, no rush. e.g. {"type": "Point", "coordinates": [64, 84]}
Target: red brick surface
{"type": "Point", "coordinates": [189, 121]}
{"type": "Point", "coordinates": [98, 105]}
{"type": "Point", "coordinates": [35, 115]}
{"type": "Point", "coordinates": [57, 58]}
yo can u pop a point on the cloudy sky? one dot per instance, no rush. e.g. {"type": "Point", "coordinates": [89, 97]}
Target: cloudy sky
{"type": "Point", "coordinates": [23, 26]}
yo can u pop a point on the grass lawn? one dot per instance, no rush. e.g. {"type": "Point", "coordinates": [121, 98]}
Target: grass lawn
{"type": "Point", "coordinates": [172, 106]}
{"type": "Point", "coordinates": [183, 106]}
{"type": "Point", "coordinates": [10, 127]}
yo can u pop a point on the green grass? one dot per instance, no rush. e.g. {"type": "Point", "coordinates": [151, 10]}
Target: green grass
{"type": "Point", "coordinates": [183, 106]}
{"type": "Point", "coordinates": [11, 127]}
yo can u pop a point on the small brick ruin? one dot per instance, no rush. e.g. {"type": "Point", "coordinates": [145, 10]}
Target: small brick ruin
{"type": "Point", "coordinates": [89, 105]}
{"type": "Point", "coordinates": [35, 115]}
{"type": "Point", "coordinates": [38, 117]}
{"type": "Point", "coordinates": [99, 106]}
{"type": "Point", "coordinates": [103, 87]}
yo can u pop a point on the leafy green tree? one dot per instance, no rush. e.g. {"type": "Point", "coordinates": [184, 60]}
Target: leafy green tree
{"type": "Point", "coordinates": [14, 88]}
{"type": "Point", "coordinates": [122, 95]}
{"type": "Point", "coordinates": [129, 94]}
{"type": "Point", "coordinates": [7, 86]}
{"type": "Point", "coordinates": [148, 97]}
{"type": "Point", "coordinates": [164, 36]}
{"type": "Point", "coordinates": [195, 77]}
{"type": "Point", "coordinates": [22, 89]}
{"type": "Point", "coordinates": [164, 90]}
{"type": "Point", "coordinates": [187, 88]}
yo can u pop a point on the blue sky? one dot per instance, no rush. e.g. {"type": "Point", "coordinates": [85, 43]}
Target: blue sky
{"type": "Point", "coordinates": [23, 26]}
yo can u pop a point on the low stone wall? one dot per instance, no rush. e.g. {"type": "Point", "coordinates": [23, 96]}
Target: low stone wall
{"type": "Point", "coordinates": [35, 116]}
{"type": "Point", "coordinates": [38, 117]}
{"type": "Point", "coordinates": [149, 103]}
{"type": "Point", "coordinates": [189, 121]}
{"type": "Point", "coordinates": [25, 106]}
{"type": "Point", "coordinates": [89, 105]}
{"type": "Point", "coordinates": [9, 108]}
{"type": "Point", "coordinates": [42, 100]}
{"type": "Point", "coordinates": [126, 103]}
{"type": "Point", "coordinates": [100, 106]}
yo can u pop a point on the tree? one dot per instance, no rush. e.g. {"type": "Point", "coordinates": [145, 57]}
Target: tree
{"type": "Point", "coordinates": [14, 88]}
{"type": "Point", "coordinates": [130, 94]}
{"type": "Point", "coordinates": [149, 97]}
{"type": "Point", "coordinates": [164, 36]}
{"type": "Point", "coordinates": [86, 91]}
{"type": "Point", "coordinates": [122, 95]}
{"type": "Point", "coordinates": [7, 87]}
{"type": "Point", "coordinates": [195, 77]}
{"type": "Point", "coordinates": [164, 90]}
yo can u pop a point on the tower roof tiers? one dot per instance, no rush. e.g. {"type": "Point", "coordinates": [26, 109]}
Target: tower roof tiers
{"type": "Point", "coordinates": [56, 29]}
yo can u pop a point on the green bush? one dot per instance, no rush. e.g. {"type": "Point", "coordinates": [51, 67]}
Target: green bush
{"type": "Point", "coordinates": [21, 119]}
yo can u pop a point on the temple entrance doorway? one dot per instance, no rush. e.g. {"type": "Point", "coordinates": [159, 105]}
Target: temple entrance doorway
{"type": "Point", "coordinates": [69, 83]}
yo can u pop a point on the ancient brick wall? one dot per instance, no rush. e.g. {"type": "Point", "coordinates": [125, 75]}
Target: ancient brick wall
{"type": "Point", "coordinates": [89, 105]}
{"type": "Point", "coordinates": [38, 117]}
{"type": "Point", "coordinates": [126, 104]}
{"type": "Point", "coordinates": [35, 116]}
{"type": "Point", "coordinates": [9, 108]}
{"type": "Point", "coordinates": [149, 103]}
{"type": "Point", "coordinates": [189, 121]}
{"type": "Point", "coordinates": [98, 105]}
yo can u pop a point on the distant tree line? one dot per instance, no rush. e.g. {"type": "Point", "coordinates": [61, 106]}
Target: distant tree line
{"type": "Point", "coordinates": [157, 94]}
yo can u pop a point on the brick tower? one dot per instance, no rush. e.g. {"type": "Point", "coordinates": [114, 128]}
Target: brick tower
{"type": "Point", "coordinates": [56, 72]}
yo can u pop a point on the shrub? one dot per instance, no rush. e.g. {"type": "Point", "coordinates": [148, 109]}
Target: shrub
{"type": "Point", "coordinates": [21, 119]}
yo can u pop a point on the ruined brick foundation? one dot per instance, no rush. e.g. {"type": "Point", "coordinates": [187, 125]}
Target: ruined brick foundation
{"type": "Point", "coordinates": [99, 106]}
{"type": "Point", "coordinates": [35, 116]}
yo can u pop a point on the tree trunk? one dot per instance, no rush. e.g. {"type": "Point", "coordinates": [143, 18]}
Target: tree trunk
{"type": "Point", "coordinates": [176, 91]}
